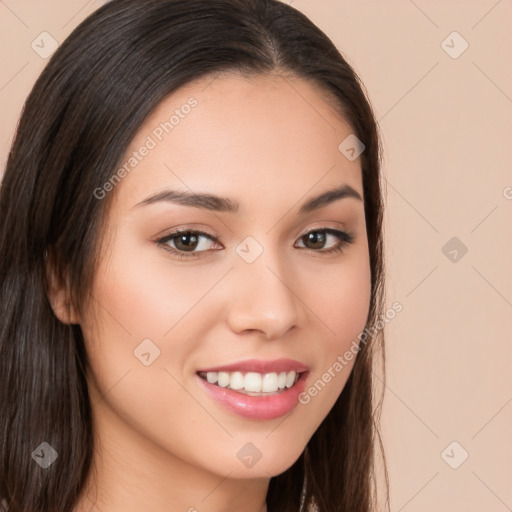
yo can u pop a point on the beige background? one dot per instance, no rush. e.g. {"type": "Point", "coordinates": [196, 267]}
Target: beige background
{"type": "Point", "coordinates": [447, 126]}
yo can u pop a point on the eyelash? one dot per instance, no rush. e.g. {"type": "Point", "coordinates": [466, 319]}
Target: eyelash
{"type": "Point", "coordinates": [344, 237]}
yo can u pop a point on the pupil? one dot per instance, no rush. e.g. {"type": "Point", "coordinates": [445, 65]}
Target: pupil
{"type": "Point", "coordinates": [317, 239]}
{"type": "Point", "coordinates": [182, 240]}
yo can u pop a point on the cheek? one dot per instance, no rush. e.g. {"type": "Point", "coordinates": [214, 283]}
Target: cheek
{"type": "Point", "coordinates": [135, 306]}
{"type": "Point", "coordinates": [341, 301]}
{"type": "Point", "coordinates": [146, 294]}
{"type": "Point", "coordinates": [142, 305]}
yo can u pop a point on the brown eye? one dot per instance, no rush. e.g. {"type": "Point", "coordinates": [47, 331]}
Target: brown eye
{"type": "Point", "coordinates": [316, 239]}
{"type": "Point", "coordinates": [187, 243]}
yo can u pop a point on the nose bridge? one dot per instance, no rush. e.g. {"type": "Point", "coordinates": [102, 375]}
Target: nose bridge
{"type": "Point", "coordinates": [263, 296]}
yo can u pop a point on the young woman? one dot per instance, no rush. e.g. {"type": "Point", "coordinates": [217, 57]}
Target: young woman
{"type": "Point", "coordinates": [191, 268]}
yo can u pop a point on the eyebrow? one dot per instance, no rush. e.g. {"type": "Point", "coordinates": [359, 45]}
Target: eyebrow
{"type": "Point", "coordinates": [224, 204]}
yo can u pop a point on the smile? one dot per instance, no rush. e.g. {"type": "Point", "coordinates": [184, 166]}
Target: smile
{"type": "Point", "coordinates": [252, 383]}
{"type": "Point", "coordinates": [255, 389]}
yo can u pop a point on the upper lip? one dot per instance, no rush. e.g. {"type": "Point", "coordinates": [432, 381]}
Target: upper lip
{"type": "Point", "coordinates": [260, 366]}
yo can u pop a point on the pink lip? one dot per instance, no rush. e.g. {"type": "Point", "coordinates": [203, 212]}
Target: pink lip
{"type": "Point", "coordinates": [260, 366]}
{"type": "Point", "coordinates": [257, 407]}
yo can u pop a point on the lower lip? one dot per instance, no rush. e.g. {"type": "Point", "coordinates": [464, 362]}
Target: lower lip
{"type": "Point", "coordinates": [258, 407]}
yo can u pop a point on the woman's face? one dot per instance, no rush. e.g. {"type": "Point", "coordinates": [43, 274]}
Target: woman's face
{"type": "Point", "coordinates": [243, 297]}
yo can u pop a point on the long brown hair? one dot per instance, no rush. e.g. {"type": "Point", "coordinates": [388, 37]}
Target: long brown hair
{"type": "Point", "coordinates": [81, 115]}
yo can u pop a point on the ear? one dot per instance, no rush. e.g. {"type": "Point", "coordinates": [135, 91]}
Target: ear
{"type": "Point", "coordinates": [59, 291]}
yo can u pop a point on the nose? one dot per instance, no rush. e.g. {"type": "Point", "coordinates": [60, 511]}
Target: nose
{"type": "Point", "coordinates": [263, 298]}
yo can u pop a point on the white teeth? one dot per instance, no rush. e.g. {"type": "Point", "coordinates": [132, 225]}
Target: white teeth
{"type": "Point", "coordinates": [236, 381]}
{"type": "Point", "coordinates": [269, 383]}
{"type": "Point", "coordinates": [211, 377]}
{"type": "Point", "coordinates": [253, 382]}
{"type": "Point", "coordinates": [223, 379]}
{"type": "Point", "coordinates": [290, 379]}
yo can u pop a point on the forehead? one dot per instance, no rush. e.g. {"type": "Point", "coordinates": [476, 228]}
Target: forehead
{"type": "Point", "coordinates": [264, 136]}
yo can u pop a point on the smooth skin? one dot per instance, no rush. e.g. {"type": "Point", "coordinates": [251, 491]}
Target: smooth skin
{"type": "Point", "coordinates": [269, 142]}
